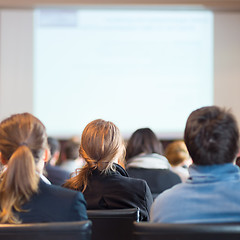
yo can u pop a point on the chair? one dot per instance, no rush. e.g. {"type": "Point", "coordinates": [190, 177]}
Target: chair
{"type": "Point", "coordinates": [47, 231]}
{"type": "Point", "coordinates": [114, 224]}
{"type": "Point", "coordinates": [159, 231]}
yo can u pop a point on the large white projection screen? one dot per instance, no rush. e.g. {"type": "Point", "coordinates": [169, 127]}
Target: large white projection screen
{"type": "Point", "coordinates": [135, 67]}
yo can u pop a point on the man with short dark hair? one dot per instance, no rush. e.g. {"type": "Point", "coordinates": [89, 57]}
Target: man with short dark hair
{"type": "Point", "coordinates": [55, 174]}
{"type": "Point", "coordinates": [72, 161]}
{"type": "Point", "coordinates": [211, 194]}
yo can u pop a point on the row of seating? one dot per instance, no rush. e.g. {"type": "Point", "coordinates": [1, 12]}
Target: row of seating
{"type": "Point", "coordinates": [115, 224]}
{"type": "Point", "coordinates": [118, 225]}
{"type": "Point", "coordinates": [159, 231]}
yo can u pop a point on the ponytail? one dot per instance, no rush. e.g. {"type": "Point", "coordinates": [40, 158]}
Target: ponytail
{"type": "Point", "coordinates": [18, 183]}
{"type": "Point", "coordinates": [101, 144]}
{"type": "Point", "coordinates": [103, 164]}
{"type": "Point", "coordinates": [80, 180]}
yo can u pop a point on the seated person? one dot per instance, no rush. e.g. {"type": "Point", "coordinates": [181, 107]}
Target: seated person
{"type": "Point", "coordinates": [24, 195]}
{"type": "Point", "coordinates": [178, 156]}
{"type": "Point", "coordinates": [211, 194]}
{"type": "Point", "coordinates": [55, 174]}
{"type": "Point", "coordinates": [104, 183]}
{"type": "Point", "coordinates": [71, 151]}
{"type": "Point", "coordinates": [144, 160]}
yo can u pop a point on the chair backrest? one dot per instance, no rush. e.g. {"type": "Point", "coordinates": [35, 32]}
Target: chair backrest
{"type": "Point", "coordinates": [112, 224]}
{"type": "Point", "coordinates": [47, 231]}
{"type": "Point", "coordinates": [158, 231]}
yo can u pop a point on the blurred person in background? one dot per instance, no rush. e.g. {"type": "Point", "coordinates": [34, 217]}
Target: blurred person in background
{"type": "Point", "coordinates": [55, 174]}
{"type": "Point", "coordinates": [179, 158]}
{"type": "Point", "coordinates": [144, 160]}
{"type": "Point", "coordinates": [72, 159]}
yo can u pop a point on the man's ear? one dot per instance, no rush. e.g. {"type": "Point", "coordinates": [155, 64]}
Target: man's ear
{"type": "Point", "coordinates": [3, 161]}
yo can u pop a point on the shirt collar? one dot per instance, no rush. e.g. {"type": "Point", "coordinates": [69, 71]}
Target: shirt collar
{"type": "Point", "coordinates": [43, 178]}
{"type": "Point", "coordinates": [212, 173]}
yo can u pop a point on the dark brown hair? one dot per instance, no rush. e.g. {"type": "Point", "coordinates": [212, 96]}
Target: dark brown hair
{"type": "Point", "coordinates": [143, 140]}
{"type": "Point", "coordinates": [72, 149]}
{"type": "Point", "coordinates": [22, 143]}
{"type": "Point", "coordinates": [54, 145]}
{"type": "Point", "coordinates": [212, 136]}
{"type": "Point", "coordinates": [101, 143]}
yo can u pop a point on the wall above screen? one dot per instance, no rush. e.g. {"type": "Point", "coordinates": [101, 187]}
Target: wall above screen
{"type": "Point", "coordinates": [223, 5]}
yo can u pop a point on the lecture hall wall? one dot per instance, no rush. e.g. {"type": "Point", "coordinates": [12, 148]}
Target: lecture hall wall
{"type": "Point", "coordinates": [16, 48]}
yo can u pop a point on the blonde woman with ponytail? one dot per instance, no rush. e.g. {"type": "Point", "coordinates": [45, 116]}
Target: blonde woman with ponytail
{"type": "Point", "coordinates": [25, 196]}
{"type": "Point", "coordinates": [104, 183]}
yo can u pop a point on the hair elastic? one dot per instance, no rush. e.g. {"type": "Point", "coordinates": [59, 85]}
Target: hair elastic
{"type": "Point", "coordinates": [23, 144]}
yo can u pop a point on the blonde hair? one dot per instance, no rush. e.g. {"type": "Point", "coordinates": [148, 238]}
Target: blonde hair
{"type": "Point", "coordinates": [101, 144]}
{"type": "Point", "coordinates": [22, 143]}
{"type": "Point", "coordinates": [176, 152]}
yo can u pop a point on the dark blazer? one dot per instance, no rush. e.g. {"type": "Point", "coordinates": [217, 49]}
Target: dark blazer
{"type": "Point", "coordinates": [54, 204]}
{"type": "Point", "coordinates": [117, 190]}
{"type": "Point", "coordinates": [56, 175]}
{"type": "Point", "coordinates": [157, 179]}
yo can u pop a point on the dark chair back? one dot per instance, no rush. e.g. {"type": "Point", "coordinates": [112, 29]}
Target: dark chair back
{"type": "Point", "coordinates": [158, 231]}
{"type": "Point", "coordinates": [47, 231]}
{"type": "Point", "coordinates": [114, 224]}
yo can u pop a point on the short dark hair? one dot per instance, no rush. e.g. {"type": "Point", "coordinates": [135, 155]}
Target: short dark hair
{"type": "Point", "coordinates": [212, 136]}
{"type": "Point", "coordinates": [143, 140]}
{"type": "Point", "coordinates": [72, 149]}
{"type": "Point", "coordinates": [53, 144]}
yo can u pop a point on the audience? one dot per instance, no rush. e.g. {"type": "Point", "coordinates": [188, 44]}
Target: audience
{"type": "Point", "coordinates": [72, 161]}
{"type": "Point", "coordinates": [178, 156]}
{"type": "Point", "coordinates": [212, 192]}
{"type": "Point", "coordinates": [55, 174]}
{"type": "Point", "coordinates": [24, 196]}
{"type": "Point", "coordinates": [104, 183]}
{"type": "Point", "coordinates": [208, 192]}
{"type": "Point", "coordinates": [144, 160]}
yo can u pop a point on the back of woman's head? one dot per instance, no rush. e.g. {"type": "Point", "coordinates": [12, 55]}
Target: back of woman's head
{"type": "Point", "coordinates": [22, 144]}
{"type": "Point", "coordinates": [176, 153]}
{"type": "Point", "coordinates": [101, 145]}
{"type": "Point", "coordinates": [143, 140]}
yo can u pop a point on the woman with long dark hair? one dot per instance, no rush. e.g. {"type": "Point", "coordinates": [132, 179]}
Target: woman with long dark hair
{"type": "Point", "coordinates": [144, 160]}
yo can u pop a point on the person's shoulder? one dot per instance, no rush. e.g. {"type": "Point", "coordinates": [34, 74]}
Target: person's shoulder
{"type": "Point", "coordinates": [55, 190]}
{"type": "Point", "coordinates": [134, 182]}
{"type": "Point", "coordinates": [171, 194]}
{"type": "Point", "coordinates": [174, 176]}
